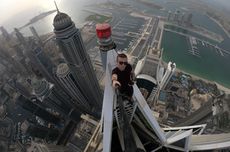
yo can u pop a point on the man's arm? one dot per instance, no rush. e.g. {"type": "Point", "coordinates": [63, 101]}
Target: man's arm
{"type": "Point", "coordinates": [132, 75]}
{"type": "Point", "coordinates": [114, 77]}
{"type": "Point", "coordinates": [114, 81]}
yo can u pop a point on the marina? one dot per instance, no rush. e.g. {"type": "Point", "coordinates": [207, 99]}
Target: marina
{"type": "Point", "coordinates": [197, 57]}
{"type": "Point", "coordinates": [193, 51]}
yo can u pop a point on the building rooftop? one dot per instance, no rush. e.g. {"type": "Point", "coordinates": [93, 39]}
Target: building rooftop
{"type": "Point", "coordinates": [61, 21]}
{"type": "Point", "coordinates": [62, 70]}
{"type": "Point", "coordinates": [40, 87]}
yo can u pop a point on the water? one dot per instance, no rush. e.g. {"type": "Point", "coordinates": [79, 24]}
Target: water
{"type": "Point", "coordinates": [211, 65]}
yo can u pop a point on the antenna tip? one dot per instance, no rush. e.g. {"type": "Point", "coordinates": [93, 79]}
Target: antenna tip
{"type": "Point", "coordinates": [56, 7]}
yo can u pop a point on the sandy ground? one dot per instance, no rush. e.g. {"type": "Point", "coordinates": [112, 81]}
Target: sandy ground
{"type": "Point", "coordinates": [198, 99]}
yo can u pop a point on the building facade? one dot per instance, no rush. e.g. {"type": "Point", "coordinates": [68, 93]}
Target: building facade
{"type": "Point", "coordinates": [69, 83]}
{"type": "Point", "coordinates": [71, 44]}
{"type": "Point", "coordinates": [55, 100]}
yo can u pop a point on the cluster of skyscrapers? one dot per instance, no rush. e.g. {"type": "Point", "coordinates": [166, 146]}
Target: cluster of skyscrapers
{"type": "Point", "coordinates": [180, 17]}
{"type": "Point", "coordinates": [56, 92]}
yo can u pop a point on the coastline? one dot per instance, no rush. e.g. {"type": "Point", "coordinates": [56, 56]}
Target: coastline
{"type": "Point", "coordinates": [222, 84]}
{"type": "Point", "coordinates": [195, 77]}
{"type": "Point", "coordinates": [218, 23]}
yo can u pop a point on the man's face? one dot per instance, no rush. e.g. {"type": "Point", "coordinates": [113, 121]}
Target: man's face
{"type": "Point", "coordinates": [122, 63]}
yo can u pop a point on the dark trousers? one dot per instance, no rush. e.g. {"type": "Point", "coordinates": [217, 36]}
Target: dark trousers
{"type": "Point", "coordinates": [127, 90]}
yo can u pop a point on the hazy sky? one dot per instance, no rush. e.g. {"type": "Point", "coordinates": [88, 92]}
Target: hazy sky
{"type": "Point", "coordinates": [13, 8]}
{"type": "Point", "coordinates": [10, 8]}
{"type": "Point", "coordinates": [224, 3]}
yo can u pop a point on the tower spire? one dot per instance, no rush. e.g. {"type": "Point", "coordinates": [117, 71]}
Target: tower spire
{"type": "Point", "coordinates": [56, 7]}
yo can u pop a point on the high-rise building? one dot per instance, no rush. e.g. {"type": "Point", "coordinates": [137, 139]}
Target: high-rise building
{"type": "Point", "coordinates": [20, 37]}
{"type": "Point", "coordinates": [168, 74]}
{"type": "Point", "coordinates": [41, 62]}
{"type": "Point", "coordinates": [35, 34]}
{"type": "Point", "coordinates": [69, 83]}
{"type": "Point", "coordinates": [6, 133]}
{"type": "Point", "coordinates": [8, 61]}
{"type": "Point", "coordinates": [38, 147]}
{"type": "Point", "coordinates": [37, 109]}
{"type": "Point", "coordinates": [4, 96]}
{"type": "Point", "coordinates": [49, 95]}
{"type": "Point", "coordinates": [19, 87]}
{"type": "Point", "coordinates": [169, 15]}
{"type": "Point", "coordinates": [16, 147]}
{"type": "Point", "coordinates": [38, 131]}
{"type": "Point", "coordinates": [20, 58]}
{"type": "Point", "coordinates": [18, 50]}
{"type": "Point", "coordinates": [182, 18]}
{"type": "Point", "coordinates": [189, 19]}
{"type": "Point", "coordinates": [5, 34]}
{"type": "Point", "coordinates": [71, 44]}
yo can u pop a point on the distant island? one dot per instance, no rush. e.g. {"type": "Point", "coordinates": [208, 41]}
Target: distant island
{"type": "Point", "coordinates": [37, 18]}
{"type": "Point", "coordinates": [150, 4]}
{"type": "Point", "coordinates": [97, 18]}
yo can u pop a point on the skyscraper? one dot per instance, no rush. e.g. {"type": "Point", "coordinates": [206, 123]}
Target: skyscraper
{"type": "Point", "coordinates": [69, 83]}
{"type": "Point", "coordinates": [18, 61]}
{"type": "Point", "coordinates": [50, 96]}
{"type": "Point", "coordinates": [40, 61]}
{"type": "Point", "coordinates": [19, 87]}
{"type": "Point", "coordinates": [70, 42]}
{"type": "Point", "coordinates": [5, 34]}
{"type": "Point", "coordinates": [20, 37]}
{"type": "Point", "coordinates": [48, 148]}
{"type": "Point", "coordinates": [8, 61]}
{"type": "Point", "coordinates": [36, 130]}
{"type": "Point", "coordinates": [169, 15]}
{"type": "Point", "coordinates": [35, 34]}
{"type": "Point", "coordinates": [168, 74]}
{"type": "Point", "coordinates": [18, 50]}
{"type": "Point", "coordinates": [37, 110]}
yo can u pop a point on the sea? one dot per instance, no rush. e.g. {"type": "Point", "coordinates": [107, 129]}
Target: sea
{"type": "Point", "coordinates": [76, 9]}
{"type": "Point", "coordinates": [210, 65]}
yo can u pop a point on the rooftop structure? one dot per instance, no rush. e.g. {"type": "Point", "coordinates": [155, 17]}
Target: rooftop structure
{"type": "Point", "coordinates": [132, 127]}
{"type": "Point", "coordinates": [105, 41]}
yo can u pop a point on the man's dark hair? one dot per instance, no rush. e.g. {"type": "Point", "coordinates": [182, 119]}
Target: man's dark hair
{"type": "Point", "coordinates": [122, 55]}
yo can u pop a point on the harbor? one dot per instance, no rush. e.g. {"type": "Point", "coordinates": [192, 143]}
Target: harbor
{"type": "Point", "coordinates": [197, 57]}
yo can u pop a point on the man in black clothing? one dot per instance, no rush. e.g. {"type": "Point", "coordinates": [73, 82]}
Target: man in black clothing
{"type": "Point", "coordinates": [122, 76]}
